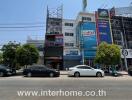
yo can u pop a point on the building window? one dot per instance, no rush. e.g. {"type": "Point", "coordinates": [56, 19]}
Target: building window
{"type": "Point", "coordinates": [118, 42]}
{"type": "Point", "coordinates": [54, 32]}
{"type": "Point", "coordinates": [69, 44]}
{"type": "Point", "coordinates": [55, 23]}
{"type": "Point", "coordinates": [86, 19]}
{"type": "Point", "coordinates": [69, 34]}
{"type": "Point", "coordinates": [69, 24]}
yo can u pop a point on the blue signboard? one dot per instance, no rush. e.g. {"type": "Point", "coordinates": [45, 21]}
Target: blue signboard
{"type": "Point", "coordinates": [89, 39]}
{"type": "Point", "coordinates": [104, 32]}
{"type": "Point", "coordinates": [89, 35]}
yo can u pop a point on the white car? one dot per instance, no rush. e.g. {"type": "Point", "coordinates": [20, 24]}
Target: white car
{"type": "Point", "coordinates": [84, 70]}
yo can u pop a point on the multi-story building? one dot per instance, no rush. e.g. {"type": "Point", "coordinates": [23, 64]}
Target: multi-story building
{"type": "Point", "coordinates": [122, 27]}
{"type": "Point", "coordinates": [71, 52]}
{"type": "Point", "coordinates": [86, 37]}
{"type": "Point", "coordinates": [53, 51]}
{"type": "Point", "coordinates": [72, 42]}
{"type": "Point", "coordinates": [124, 11]}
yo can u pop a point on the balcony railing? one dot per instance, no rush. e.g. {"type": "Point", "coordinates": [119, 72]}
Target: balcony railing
{"type": "Point", "coordinates": [53, 43]}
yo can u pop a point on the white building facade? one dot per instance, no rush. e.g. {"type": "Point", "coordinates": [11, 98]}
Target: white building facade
{"type": "Point", "coordinates": [71, 52]}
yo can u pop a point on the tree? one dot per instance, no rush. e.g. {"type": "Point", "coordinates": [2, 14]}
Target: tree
{"type": "Point", "coordinates": [108, 54]}
{"type": "Point", "coordinates": [27, 55]}
{"type": "Point", "coordinates": [1, 57]}
{"type": "Point", "coordinates": [9, 54]}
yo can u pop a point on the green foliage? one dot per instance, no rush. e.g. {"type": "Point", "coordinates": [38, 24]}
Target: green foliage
{"type": "Point", "coordinates": [9, 54]}
{"type": "Point", "coordinates": [15, 55]}
{"type": "Point", "coordinates": [27, 55]}
{"type": "Point", "coordinates": [1, 58]}
{"type": "Point", "coordinates": [107, 54]}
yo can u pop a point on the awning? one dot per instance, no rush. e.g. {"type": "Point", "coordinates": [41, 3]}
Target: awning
{"type": "Point", "coordinates": [72, 57]}
{"type": "Point", "coordinates": [54, 58]}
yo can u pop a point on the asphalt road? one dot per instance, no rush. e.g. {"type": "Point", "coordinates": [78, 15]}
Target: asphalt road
{"type": "Point", "coordinates": [116, 88]}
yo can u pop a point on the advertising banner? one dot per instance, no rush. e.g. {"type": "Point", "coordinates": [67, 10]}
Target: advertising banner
{"type": "Point", "coordinates": [103, 26]}
{"type": "Point", "coordinates": [89, 35]}
{"type": "Point", "coordinates": [104, 33]}
{"type": "Point", "coordinates": [89, 39]}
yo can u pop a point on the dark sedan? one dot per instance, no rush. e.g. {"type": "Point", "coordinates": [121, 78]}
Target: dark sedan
{"type": "Point", "coordinates": [6, 71]}
{"type": "Point", "coordinates": [37, 70]}
{"type": "Point", "coordinates": [130, 71]}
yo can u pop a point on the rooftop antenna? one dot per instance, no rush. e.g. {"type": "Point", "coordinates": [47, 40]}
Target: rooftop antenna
{"type": "Point", "coordinates": [84, 5]}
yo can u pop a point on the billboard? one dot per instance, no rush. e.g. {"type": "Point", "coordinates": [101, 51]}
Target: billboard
{"type": "Point", "coordinates": [89, 35]}
{"type": "Point", "coordinates": [104, 32]}
{"type": "Point", "coordinates": [103, 26]}
{"type": "Point", "coordinates": [89, 39]}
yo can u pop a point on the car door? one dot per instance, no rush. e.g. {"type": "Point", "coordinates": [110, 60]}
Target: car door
{"type": "Point", "coordinates": [36, 71]}
{"type": "Point", "coordinates": [43, 71]}
{"type": "Point", "coordinates": [92, 71]}
{"type": "Point", "coordinates": [86, 71]}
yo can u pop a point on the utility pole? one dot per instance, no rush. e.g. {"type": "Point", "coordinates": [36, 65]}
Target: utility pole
{"type": "Point", "coordinates": [124, 52]}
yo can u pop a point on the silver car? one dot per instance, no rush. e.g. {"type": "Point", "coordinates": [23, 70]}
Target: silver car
{"type": "Point", "coordinates": [84, 70]}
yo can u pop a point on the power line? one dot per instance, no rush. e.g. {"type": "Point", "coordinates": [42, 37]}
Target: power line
{"type": "Point", "coordinates": [35, 23]}
{"type": "Point", "coordinates": [21, 26]}
{"type": "Point", "coordinates": [23, 30]}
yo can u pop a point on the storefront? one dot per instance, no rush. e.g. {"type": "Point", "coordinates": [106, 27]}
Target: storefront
{"type": "Point", "coordinates": [71, 57]}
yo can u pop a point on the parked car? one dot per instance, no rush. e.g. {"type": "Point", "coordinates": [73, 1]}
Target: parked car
{"type": "Point", "coordinates": [40, 70]}
{"type": "Point", "coordinates": [130, 71]}
{"type": "Point", "coordinates": [6, 71]}
{"type": "Point", "coordinates": [84, 70]}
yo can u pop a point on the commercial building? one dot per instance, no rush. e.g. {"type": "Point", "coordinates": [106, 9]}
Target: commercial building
{"type": "Point", "coordinates": [122, 27]}
{"type": "Point", "coordinates": [124, 11]}
{"type": "Point", "coordinates": [71, 53]}
{"type": "Point", "coordinates": [53, 50]}
{"type": "Point", "coordinates": [72, 42]}
{"type": "Point", "coordinates": [86, 37]}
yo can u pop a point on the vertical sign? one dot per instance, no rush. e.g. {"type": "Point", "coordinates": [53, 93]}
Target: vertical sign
{"type": "Point", "coordinates": [103, 26]}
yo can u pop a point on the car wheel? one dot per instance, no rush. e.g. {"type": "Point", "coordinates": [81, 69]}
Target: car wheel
{"type": "Point", "coordinates": [76, 74]}
{"type": "Point", "coordinates": [29, 74]}
{"type": "Point", "coordinates": [99, 74]}
{"type": "Point", "coordinates": [1, 74]}
{"type": "Point", "coordinates": [51, 75]}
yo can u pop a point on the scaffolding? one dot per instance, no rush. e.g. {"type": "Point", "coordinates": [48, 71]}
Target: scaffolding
{"type": "Point", "coordinates": [53, 52]}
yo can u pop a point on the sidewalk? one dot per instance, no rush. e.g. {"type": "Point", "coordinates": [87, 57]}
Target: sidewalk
{"type": "Point", "coordinates": [63, 72]}
{"type": "Point", "coordinates": [123, 72]}
{"type": "Point", "coordinates": [120, 72]}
